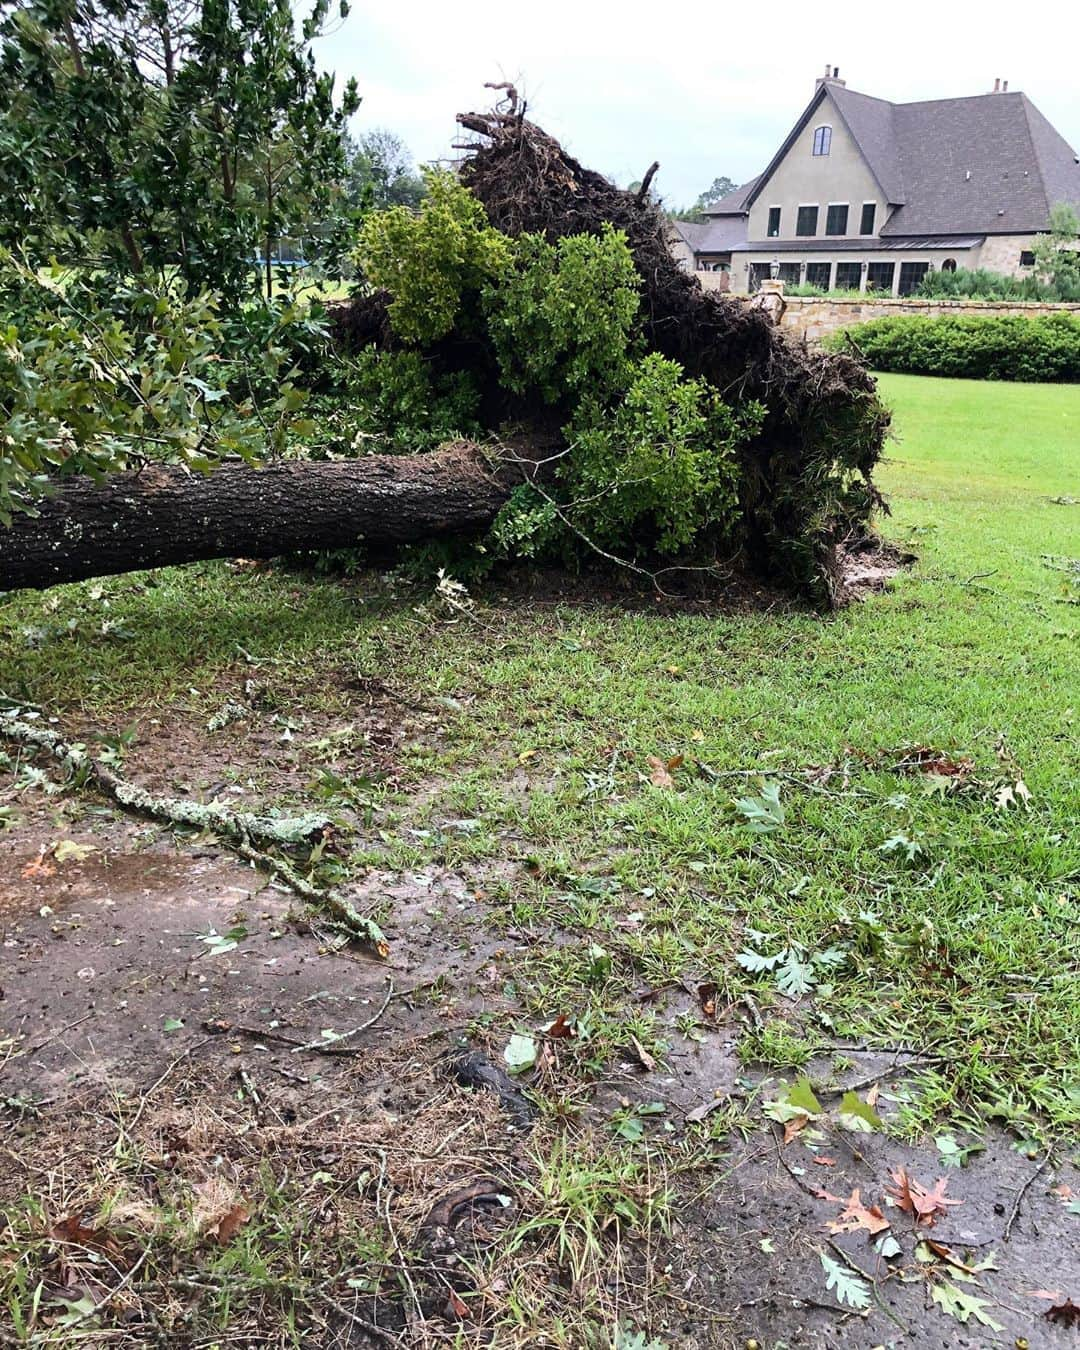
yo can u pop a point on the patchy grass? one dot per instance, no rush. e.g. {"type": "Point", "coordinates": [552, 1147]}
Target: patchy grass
{"type": "Point", "coordinates": [845, 848]}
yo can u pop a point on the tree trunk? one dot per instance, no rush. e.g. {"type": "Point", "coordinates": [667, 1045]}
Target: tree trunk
{"type": "Point", "coordinates": [164, 515]}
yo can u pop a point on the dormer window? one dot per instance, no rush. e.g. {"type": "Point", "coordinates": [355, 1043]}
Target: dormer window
{"type": "Point", "coordinates": [822, 140]}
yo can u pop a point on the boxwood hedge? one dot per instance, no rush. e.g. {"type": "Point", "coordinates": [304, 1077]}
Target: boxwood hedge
{"type": "Point", "coordinates": [1040, 348]}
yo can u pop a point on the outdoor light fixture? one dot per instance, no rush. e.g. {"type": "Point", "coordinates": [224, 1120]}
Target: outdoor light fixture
{"type": "Point", "coordinates": [774, 268]}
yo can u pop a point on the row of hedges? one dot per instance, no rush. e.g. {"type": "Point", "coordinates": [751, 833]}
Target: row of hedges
{"type": "Point", "coordinates": [1041, 348]}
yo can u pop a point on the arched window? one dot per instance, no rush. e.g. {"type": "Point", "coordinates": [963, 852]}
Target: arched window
{"type": "Point", "coordinates": [949, 265]}
{"type": "Point", "coordinates": [822, 140]}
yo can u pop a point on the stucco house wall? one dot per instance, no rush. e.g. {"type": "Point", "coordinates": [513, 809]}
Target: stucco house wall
{"type": "Point", "coordinates": [805, 179]}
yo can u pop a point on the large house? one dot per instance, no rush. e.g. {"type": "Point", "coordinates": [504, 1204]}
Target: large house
{"type": "Point", "coordinates": [870, 195]}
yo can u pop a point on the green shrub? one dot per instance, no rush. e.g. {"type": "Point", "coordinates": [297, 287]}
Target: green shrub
{"type": "Point", "coordinates": [398, 400]}
{"type": "Point", "coordinates": [560, 318]}
{"type": "Point", "coordinates": [981, 284]}
{"type": "Point", "coordinates": [431, 259]}
{"type": "Point", "coordinates": [655, 474]}
{"type": "Point", "coordinates": [1040, 348]}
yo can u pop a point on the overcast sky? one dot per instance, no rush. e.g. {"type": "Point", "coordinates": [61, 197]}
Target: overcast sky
{"type": "Point", "coordinates": [704, 88]}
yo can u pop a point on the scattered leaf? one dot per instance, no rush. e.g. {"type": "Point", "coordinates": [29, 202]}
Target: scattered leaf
{"type": "Point", "coordinates": [520, 1053]}
{"type": "Point", "coordinates": [659, 773]}
{"type": "Point", "coordinates": [963, 1306]}
{"type": "Point", "coordinates": [1067, 1313]}
{"type": "Point", "coordinates": [707, 998]}
{"type": "Point", "coordinates": [560, 1029]}
{"type": "Point", "coordinates": [38, 867]}
{"type": "Point", "coordinates": [67, 850]}
{"type": "Point", "coordinates": [823, 1160]}
{"type": "Point", "coordinates": [794, 1127]}
{"type": "Point", "coordinates": [699, 1113]}
{"type": "Point", "coordinates": [799, 1100]}
{"type": "Point", "coordinates": [460, 1307]}
{"type": "Point", "coordinates": [847, 1286]}
{"type": "Point", "coordinates": [914, 1198]}
{"type": "Point", "coordinates": [173, 1024]}
{"type": "Point", "coordinates": [230, 1224]}
{"type": "Point", "coordinates": [767, 1246]}
{"type": "Point", "coordinates": [856, 1215]}
{"type": "Point", "coordinates": [887, 1246]}
{"type": "Point", "coordinates": [954, 1154]}
{"type": "Point", "coordinates": [857, 1115]}
{"type": "Point", "coordinates": [73, 1230]}
{"type": "Point", "coordinates": [763, 813]}
{"type": "Point", "coordinates": [647, 1061]}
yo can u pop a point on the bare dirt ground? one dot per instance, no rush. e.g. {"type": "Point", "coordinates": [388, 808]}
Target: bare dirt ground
{"type": "Point", "coordinates": [131, 1033]}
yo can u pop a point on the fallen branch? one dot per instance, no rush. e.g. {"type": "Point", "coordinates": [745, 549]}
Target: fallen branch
{"type": "Point", "coordinates": [236, 826]}
{"type": "Point", "coordinates": [1015, 1211]}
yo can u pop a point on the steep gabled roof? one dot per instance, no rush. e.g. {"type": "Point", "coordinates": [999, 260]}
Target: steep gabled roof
{"type": "Point", "coordinates": [986, 164]}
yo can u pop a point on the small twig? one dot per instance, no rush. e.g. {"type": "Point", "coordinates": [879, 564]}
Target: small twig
{"type": "Point", "coordinates": [1014, 1212]}
{"type": "Point", "coordinates": [371, 1328]}
{"type": "Point", "coordinates": [115, 1290]}
{"type": "Point", "coordinates": [803, 1185]}
{"type": "Point", "coordinates": [334, 1047]}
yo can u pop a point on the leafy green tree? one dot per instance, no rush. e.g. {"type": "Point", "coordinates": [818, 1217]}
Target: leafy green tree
{"type": "Point", "coordinates": [1057, 254]}
{"type": "Point", "coordinates": [720, 187]}
{"type": "Point", "coordinates": [381, 172]}
{"type": "Point", "coordinates": [153, 137]}
{"type": "Point", "coordinates": [93, 382]}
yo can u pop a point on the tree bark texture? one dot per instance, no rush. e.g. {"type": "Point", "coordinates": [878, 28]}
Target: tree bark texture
{"type": "Point", "coordinates": [163, 515]}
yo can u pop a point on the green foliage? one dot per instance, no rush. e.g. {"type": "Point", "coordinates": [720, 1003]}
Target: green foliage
{"type": "Point", "coordinates": [1057, 254]}
{"type": "Point", "coordinates": [433, 261]}
{"type": "Point", "coordinates": [660, 470]}
{"type": "Point", "coordinates": [397, 400]}
{"type": "Point", "coordinates": [982, 284]}
{"type": "Point", "coordinates": [93, 381]}
{"type": "Point", "coordinates": [1037, 348]}
{"type": "Point", "coordinates": [560, 319]}
{"type": "Point", "coordinates": [153, 137]}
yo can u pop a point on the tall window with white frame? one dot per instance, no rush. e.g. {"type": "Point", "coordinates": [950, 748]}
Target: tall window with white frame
{"type": "Point", "coordinates": [806, 222]}
{"type": "Point", "coordinates": [836, 218]}
{"type": "Point", "coordinates": [822, 140]}
{"type": "Point", "coordinates": [774, 222]}
{"type": "Point", "coordinates": [866, 222]}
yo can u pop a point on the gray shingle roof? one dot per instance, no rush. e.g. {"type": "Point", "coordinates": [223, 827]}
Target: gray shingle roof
{"type": "Point", "coordinates": [980, 165]}
{"type": "Point", "coordinates": [734, 204]}
{"type": "Point", "coordinates": [713, 236]}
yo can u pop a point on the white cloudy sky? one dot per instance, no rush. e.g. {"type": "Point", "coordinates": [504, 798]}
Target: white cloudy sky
{"type": "Point", "coordinates": [706, 89]}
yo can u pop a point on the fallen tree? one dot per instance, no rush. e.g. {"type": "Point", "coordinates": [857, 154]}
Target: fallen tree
{"type": "Point", "coordinates": [163, 515]}
{"type": "Point", "coordinates": [531, 302]}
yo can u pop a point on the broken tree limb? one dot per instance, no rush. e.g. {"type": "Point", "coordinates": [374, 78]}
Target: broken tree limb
{"type": "Point", "coordinates": [164, 515]}
{"type": "Point", "coordinates": [237, 829]}
{"type": "Point", "coordinates": [240, 827]}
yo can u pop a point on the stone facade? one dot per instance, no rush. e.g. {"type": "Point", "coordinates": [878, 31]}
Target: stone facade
{"type": "Point", "coordinates": [813, 318]}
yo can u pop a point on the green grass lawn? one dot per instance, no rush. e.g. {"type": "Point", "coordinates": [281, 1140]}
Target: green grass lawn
{"type": "Point", "coordinates": [938, 918]}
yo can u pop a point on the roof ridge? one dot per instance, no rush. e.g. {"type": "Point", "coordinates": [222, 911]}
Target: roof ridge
{"type": "Point", "coordinates": [1025, 104]}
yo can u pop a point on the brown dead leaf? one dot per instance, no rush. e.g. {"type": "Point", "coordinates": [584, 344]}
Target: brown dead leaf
{"type": "Point", "coordinates": [833, 1199]}
{"type": "Point", "coordinates": [1063, 1192]}
{"type": "Point", "coordinates": [707, 998]}
{"type": "Point", "coordinates": [560, 1029]}
{"type": "Point", "coordinates": [914, 1198]}
{"type": "Point", "coordinates": [659, 774]}
{"type": "Point", "coordinates": [38, 867]}
{"type": "Point", "coordinates": [873, 1095]}
{"type": "Point", "coordinates": [460, 1307]}
{"type": "Point", "coordinates": [795, 1126]}
{"type": "Point", "coordinates": [647, 1061]}
{"type": "Point", "coordinates": [856, 1215]}
{"type": "Point", "coordinates": [1051, 1295]}
{"type": "Point", "coordinates": [1067, 1313]}
{"type": "Point", "coordinates": [73, 1230]}
{"type": "Point", "coordinates": [823, 1161]}
{"type": "Point", "coordinates": [230, 1223]}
